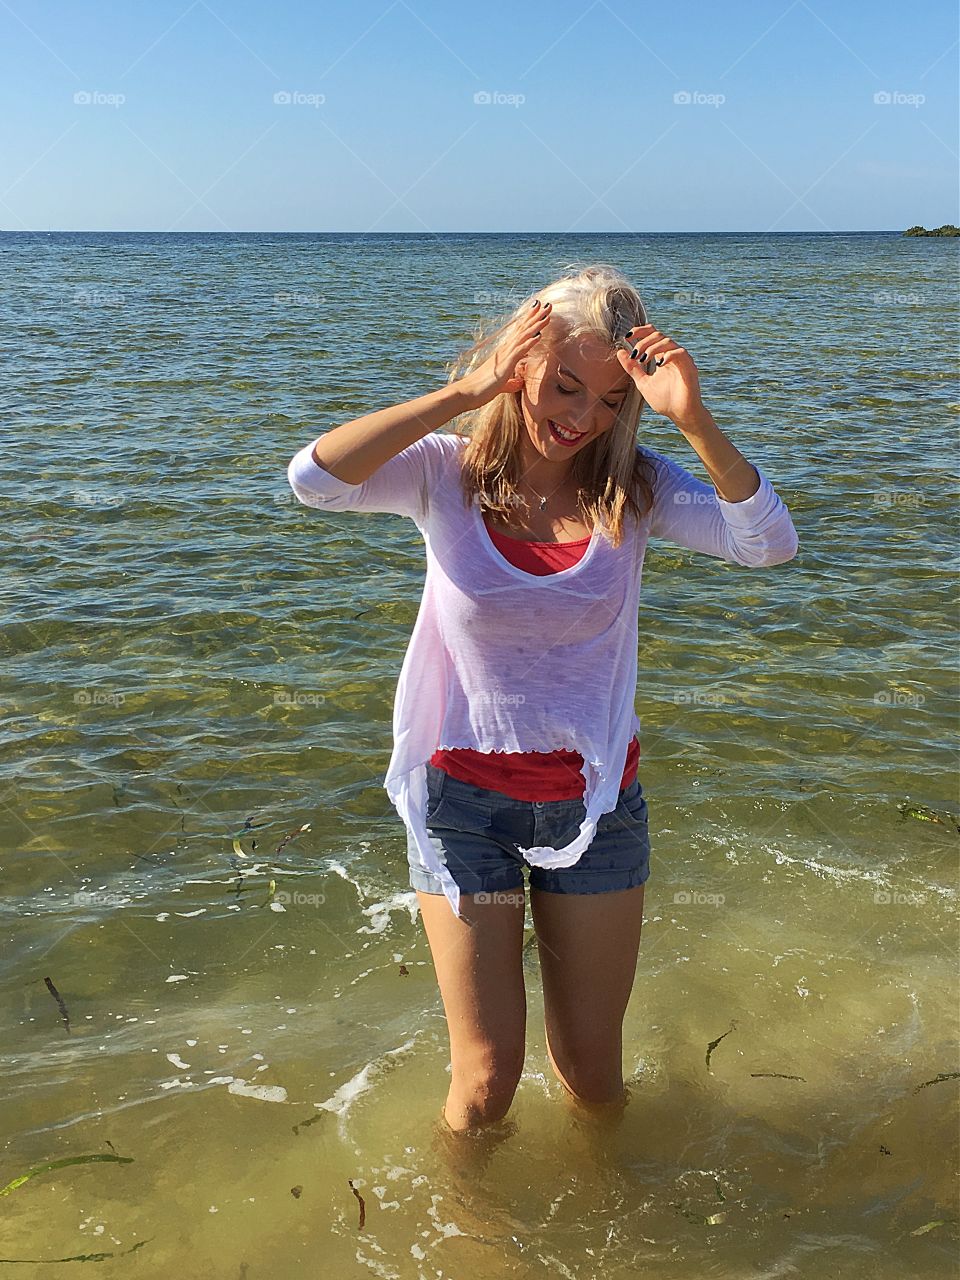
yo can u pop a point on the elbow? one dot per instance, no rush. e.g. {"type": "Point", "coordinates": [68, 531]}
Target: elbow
{"type": "Point", "coordinates": [299, 493]}
{"type": "Point", "coordinates": [307, 497]}
{"type": "Point", "coordinates": [777, 544]}
{"type": "Point", "coordinates": [775, 553]}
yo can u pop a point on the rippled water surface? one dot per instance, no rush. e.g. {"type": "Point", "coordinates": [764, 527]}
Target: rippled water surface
{"type": "Point", "coordinates": [198, 676]}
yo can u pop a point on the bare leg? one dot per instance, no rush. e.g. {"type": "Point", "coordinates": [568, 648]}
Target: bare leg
{"type": "Point", "coordinates": [479, 969]}
{"type": "Point", "coordinates": [588, 946]}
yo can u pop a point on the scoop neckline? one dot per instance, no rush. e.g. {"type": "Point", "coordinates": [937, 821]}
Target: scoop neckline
{"type": "Point", "coordinates": [532, 542]}
{"type": "Point", "coordinates": [539, 578]}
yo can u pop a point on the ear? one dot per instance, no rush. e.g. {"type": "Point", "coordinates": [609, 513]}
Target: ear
{"type": "Point", "coordinates": [517, 381]}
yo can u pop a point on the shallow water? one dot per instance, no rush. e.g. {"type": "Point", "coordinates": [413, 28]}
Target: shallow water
{"type": "Point", "coordinates": [187, 652]}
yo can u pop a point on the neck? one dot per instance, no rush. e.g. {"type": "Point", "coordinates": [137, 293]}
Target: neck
{"type": "Point", "coordinates": [542, 474]}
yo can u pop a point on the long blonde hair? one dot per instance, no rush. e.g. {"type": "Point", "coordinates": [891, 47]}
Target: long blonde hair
{"type": "Point", "coordinates": [612, 474]}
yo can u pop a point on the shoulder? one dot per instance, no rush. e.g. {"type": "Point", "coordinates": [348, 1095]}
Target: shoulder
{"type": "Point", "coordinates": [434, 453]}
{"type": "Point", "coordinates": [439, 446]}
{"type": "Point", "coordinates": [447, 444]}
{"type": "Point", "coordinates": [657, 467]}
{"type": "Point", "coordinates": [657, 461]}
{"type": "Point", "coordinates": [666, 472]}
{"type": "Point", "coordinates": [442, 452]}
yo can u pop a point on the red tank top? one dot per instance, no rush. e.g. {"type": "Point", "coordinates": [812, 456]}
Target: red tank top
{"type": "Point", "coordinates": [530, 775]}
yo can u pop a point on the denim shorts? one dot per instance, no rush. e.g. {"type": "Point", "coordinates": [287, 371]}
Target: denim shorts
{"type": "Point", "coordinates": [476, 833]}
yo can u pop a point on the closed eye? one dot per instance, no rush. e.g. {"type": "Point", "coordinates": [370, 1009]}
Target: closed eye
{"type": "Point", "coordinates": [572, 391]}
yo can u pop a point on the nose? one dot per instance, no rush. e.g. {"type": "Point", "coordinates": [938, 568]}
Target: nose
{"type": "Point", "coordinates": [581, 421]}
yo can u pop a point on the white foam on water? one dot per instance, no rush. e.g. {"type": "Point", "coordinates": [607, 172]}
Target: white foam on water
{"type": "Point", "coordinates": [444, 1228]}
{"type": "Point", "coordinates": [875, 877]}
{"type": "Point", "coordinates": [365, 890]}
{"type": "Point", "coordinates": [372, 900]}
{"type": "Point", "coordinates": [344, 1098]}
{"type": "Point", "coordinates": [263, 1092]}
{"type": "Point", "coordinates": [380, 912]}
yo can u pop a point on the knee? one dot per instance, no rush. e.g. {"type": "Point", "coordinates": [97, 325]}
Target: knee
{"type": "Point", "coordinates": [588, 1075]}
{"type": "Point", "coordinates": [482, 1089]}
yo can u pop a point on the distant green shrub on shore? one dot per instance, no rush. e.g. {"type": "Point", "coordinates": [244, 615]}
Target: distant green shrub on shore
{"type": "Point", "coordinates": [948, 229]}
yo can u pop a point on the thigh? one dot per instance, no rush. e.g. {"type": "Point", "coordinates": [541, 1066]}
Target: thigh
{"type": "Point", "coordinates": [479, 964]}
{"type": "Point", "coordinates": [588, 945]}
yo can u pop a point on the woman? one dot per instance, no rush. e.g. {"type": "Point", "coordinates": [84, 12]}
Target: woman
{"type": "Point", "coordinates": [514, 725]}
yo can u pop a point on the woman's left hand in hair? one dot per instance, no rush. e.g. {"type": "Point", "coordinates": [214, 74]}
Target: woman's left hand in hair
{"type": "Point", "coordinates": [673, 385]}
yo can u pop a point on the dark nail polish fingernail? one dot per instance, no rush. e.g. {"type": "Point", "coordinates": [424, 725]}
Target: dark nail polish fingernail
{"type": "Point", "coordinates": [643, 357]}
{"type": "Point", "coordinates": [628, 333]}
{"type": "Point", "coordinates": [535, 305]}
{"type": "Point", "coordinates": [537, 334]}
{"type": "Point", "coordinates": [633, 353]}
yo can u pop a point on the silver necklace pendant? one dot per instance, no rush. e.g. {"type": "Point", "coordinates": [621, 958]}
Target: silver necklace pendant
{"type": "Point", "coordinates": [543, 503]}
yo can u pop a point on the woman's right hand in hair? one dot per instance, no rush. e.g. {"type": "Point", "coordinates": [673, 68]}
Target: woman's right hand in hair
{"type": "Point", "coordinates": [498, 373]}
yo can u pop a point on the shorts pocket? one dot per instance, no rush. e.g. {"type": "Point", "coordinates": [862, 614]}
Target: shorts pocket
{"type": "Point", "coordinates": [630, 811]}
{"type": "Point", "coordinates": [455, 804]}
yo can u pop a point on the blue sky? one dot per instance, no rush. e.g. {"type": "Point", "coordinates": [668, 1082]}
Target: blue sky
{"type": "Point", "coordinates": [429, 116]}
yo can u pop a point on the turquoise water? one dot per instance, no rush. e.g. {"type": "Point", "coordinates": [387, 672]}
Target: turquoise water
{"type": "Point", "coordinates": [189, 657]}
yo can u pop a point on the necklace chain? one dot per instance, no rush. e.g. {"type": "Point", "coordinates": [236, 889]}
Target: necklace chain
{"type": "Point", "coordinates": [543, 500]}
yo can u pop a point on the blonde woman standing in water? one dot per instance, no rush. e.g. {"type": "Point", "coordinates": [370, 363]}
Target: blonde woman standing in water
{"type": "Point", "coordinates": [515, 735]}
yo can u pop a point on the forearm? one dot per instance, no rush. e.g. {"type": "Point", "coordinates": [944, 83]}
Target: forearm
{"type": "Point", "coordinates": [734, 478]}
{"type": "Point", "coordinates": [354, 451]}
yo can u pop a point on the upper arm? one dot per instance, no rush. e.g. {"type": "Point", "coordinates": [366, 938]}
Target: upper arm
{"type": "Point", "coordinates": [689, 512]}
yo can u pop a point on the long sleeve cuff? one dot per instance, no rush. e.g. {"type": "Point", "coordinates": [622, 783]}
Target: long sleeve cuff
{"type": "Point", "coordinates": [751, 512]}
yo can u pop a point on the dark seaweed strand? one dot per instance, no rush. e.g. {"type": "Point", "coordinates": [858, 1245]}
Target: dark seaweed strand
{"type": "Point", "coordinates": [775, 1075]}
{"type": "Point", "coordinates": [60, 1005]}
{"type": "Point", "coordinates": [305, 1124]}
{"type": "Point", "coordinates": [286, 840]}
{"type": "Point", "coordinates": [363, 1207]}
{"type": "Point", "coordinates": [944, 1075]}
{"type": "Point", "coordinates": [713, 1043]}
{"type": "Point", "coordinates": [83, 1257]}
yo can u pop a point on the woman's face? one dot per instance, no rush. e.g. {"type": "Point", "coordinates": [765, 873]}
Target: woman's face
{"type": "Point", "coordinates": [573, 390]}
